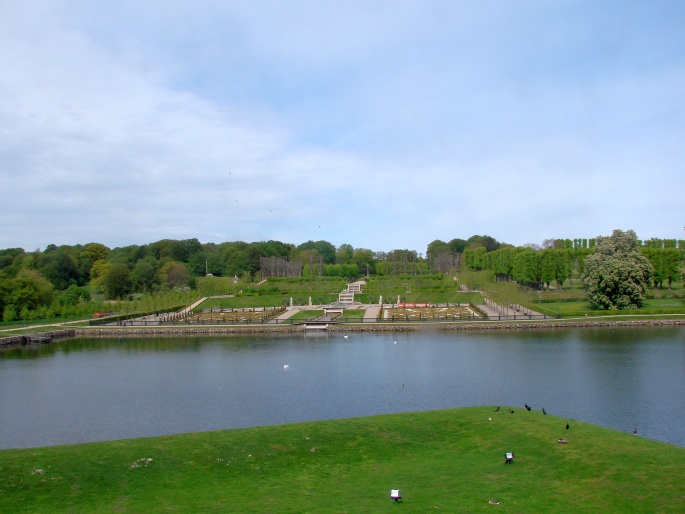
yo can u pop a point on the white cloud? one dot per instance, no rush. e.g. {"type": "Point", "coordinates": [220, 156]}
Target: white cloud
{"type": "Point", "coordinates": [129, 122]}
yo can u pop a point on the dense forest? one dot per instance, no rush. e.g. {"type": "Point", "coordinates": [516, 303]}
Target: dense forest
{"type": "Point", "coordinates": [62, 279]}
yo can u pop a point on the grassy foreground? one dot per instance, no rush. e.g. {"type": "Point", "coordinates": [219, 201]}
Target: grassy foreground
{"type": "Point", "coordinates": [450, 461]}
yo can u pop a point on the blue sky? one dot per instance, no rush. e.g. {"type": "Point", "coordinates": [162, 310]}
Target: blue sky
{"type": "Point", "coordinates": [383, 124]}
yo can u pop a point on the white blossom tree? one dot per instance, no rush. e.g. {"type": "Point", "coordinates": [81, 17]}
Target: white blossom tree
{"type": "Point", "coordinates": [617, 275]}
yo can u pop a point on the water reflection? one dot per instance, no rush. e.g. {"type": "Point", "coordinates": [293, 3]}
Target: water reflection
{"type": "Point", "coordinates": [100, 389]}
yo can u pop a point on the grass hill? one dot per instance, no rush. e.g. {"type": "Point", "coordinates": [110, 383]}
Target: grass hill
{"type": "Point", "coordinates": [448, 461]}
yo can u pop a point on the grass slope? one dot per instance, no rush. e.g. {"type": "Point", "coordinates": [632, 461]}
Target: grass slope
{"type": "Point", "coordinates": [450, 461]}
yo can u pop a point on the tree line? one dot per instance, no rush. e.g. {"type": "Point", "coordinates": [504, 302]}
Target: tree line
{"type": "Point", "coordinates": [560, 260]}
{"type": "Point", "coordinates": [62, 278]}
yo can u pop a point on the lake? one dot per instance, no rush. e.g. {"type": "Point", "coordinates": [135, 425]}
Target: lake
{"type": "Point", "coordinates": [104, 389]}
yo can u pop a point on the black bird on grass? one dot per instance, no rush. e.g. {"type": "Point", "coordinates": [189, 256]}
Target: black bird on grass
{"type": "Point", "coordinates": [567, 427]}
{"type": "Point", "coordinates": [511, 411]}
{"type": "Point", "coordinates": [497, 409]}
{"type": "Point", "coordinates": [527, 406]}
{"type": "Point", "coordinates": [544, 411]}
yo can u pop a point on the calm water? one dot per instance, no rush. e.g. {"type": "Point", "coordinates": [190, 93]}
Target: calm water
{"type": "Point", "coordinates": [103, 389]}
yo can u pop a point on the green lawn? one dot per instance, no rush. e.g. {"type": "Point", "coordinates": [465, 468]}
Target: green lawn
{"type": "Point", "coordinates": [350, 315]}
{"type": "Point", "coordinates": [671, 304]}
{"type": "Point", "coordinates": [581, 308]}
{"type": "Point", "coordinates": [306, 315]}
{"type": "Point", "coordinates": [353, 315]}
{"type": "Point", "coordinates": [447, 461]}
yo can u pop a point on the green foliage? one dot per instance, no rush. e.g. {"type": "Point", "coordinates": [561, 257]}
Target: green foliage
{"type": "Point", "coordinates": [398, 262]}
{"type": "Point", "coordinates": [61, 267]}
{"type": "Point", "coordinates": [98, 272]}
{"type": "Point", "coordinates": [489, 243]}
{"type": "Point", "coordinates": [436, 247]}
{"type": "Point", "coordinates": [9, 313]}
{"type": "Point", "coordinates": [10, 261]}
{"type": "Point", "coordinates": [457, 245]}
{"type": "Point", "coordinates": [617, 275]}
{"type": "Point", "coordinates": [474, 258]}
{"type": "Point", "coordinates": [169, 249]}
{"type": "Point", "coordinates": [527, 268]}
{"type": "Point", "coordinates": [666, 264]}
{"type": "Point", "coordinates": [347, 271]}
{"type": "Point", "coordinates": [174, 274]}
{"type": "Point", "coordinates": [73, 295]}
{"type": "Point", "coordinates": [91, 253]}
{"type": "Point", "coordinates": [363, 259]}
{"type": "Point", "coordinates": [323, 248]}
{"type": "Point", "coordinates": [30, 290]}
{"type": "Point", "coordinates": [343, 255]}
{"type": "Point", "coordinates": [117, 281]}
{"type": "Point", "coordinates": [144, 275]}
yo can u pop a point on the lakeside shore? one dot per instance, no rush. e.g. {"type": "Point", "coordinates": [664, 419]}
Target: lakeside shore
{"type": "Point", "coordinates": [218, 330]}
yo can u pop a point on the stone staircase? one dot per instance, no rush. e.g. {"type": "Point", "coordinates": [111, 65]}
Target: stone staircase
{"type": "Point", "coordinates": [347, 296]}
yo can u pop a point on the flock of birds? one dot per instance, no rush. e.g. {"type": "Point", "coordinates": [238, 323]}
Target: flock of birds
{"type": "Point", "coordinates": [528, 408]}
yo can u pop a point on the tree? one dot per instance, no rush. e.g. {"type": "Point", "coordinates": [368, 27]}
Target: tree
{"type": "Point", "coordinates": [343, 254]}
{"type": "Point", "coordinates": [5, 294]}
{"type": "Point", "coordinates": [324, 248]}
{"type": "Point", "coordinates": [59, 266]}
{"type": "Point", "coordinates": [235, 258]}
{"type": "Point", "coordinates": [503, 263]}
{"type": "Point", "coordinates": [671, 264]}
{"type": "Point", "coordinates": [144, 274]}
{"type": "Point", "coordinates": [436, 247]}
{"type": "Point", "coordinates": [441, 257]}
{"type": "Point", "coordinates": [457, 245]}
{"type": "Point", "coordinates": [9, 313]}
{"type": "Point", "coordinates": [474, 258]}
{"type": "Point", "coordinates": [616, 275]}
{"type": "Point", "coordinates": [174, 250]}
{"type": "Point", "coordinates": [554, 265]}
{"type": "Point", "coordinates": [117, 281]}
{"type": "Point", "coordinates": [666, 264]}
{"type": "Point", "coordinates": [174, 274]}
{"type": "Point", "coordinates": [490, 243]}
{"type": "Point", "coordinates": [31, 290]}
{"type": "Point", "coordinates": [90, 253]}
{"type": "Point", "coordinates": [199, 264]}
{"type": "Point", "coordinates": [364, 259]}
{"type": "Point", "coordinates": [527, 270]}
{"type": "Point", "coordinates": [10, 259]}
{"type": "Point", "coordinates": [127, 255]}
{"type": "Point", "coordinates": [98, 272]}
{"type": "Point", "coordinates": [72, 295]}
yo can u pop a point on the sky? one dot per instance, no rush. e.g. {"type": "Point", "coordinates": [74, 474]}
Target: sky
{"type": "Point", "coordinates": [381, 124]}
